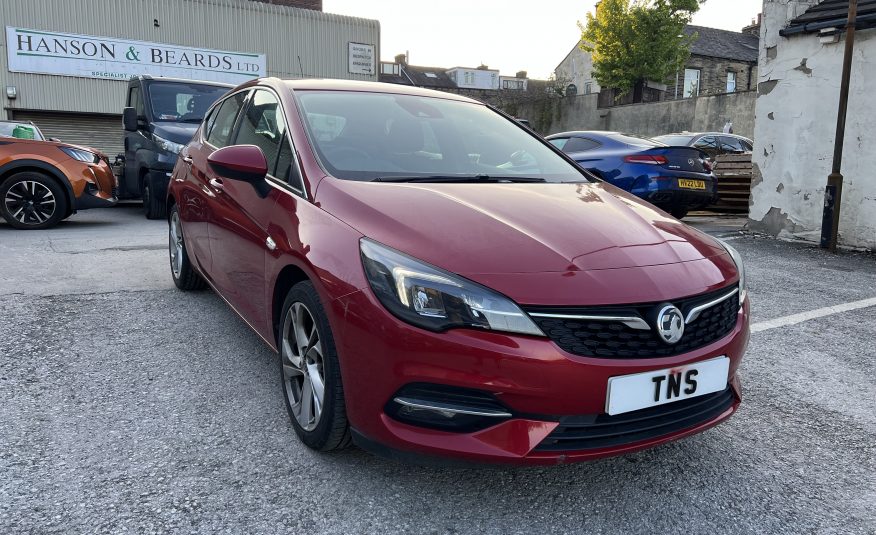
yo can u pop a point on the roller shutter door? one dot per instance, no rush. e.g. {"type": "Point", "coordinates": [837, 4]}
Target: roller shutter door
{"type": "Point", "coordinates": [103, 132]}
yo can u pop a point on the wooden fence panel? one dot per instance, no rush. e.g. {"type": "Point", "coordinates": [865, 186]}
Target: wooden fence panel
{"type": "Point", "coordinates": [733, 172]}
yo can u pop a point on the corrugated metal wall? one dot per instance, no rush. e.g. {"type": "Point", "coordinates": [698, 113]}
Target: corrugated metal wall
{"type": "Point", "coordinates": [102, 132]}
{"type": "Point", "coordinates": [283, 34]}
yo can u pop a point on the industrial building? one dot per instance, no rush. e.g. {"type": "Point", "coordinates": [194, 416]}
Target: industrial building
{"type": "Point", "coordinates": [65, 63]}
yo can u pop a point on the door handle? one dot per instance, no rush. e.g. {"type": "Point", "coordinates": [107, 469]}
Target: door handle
{"type": "Point", "coordinates": [188, 159]}
{"type": "Point", "coordinates": [216, 183]}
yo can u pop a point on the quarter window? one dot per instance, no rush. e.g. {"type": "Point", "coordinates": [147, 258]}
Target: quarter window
{"type": "Point", "coordinates": [220, 133]}
{"type": "Point", "coordinates": [263, 125]}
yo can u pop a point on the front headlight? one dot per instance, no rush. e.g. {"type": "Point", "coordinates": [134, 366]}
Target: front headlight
{"type": "Point", "coordinates": [81, 155]}
{"type": "Point", "coordinates": [169, 146]}
{"type": "Point", "coordinates": [435, 299]}
{"type": "Point", "coordinates": [740, 267]}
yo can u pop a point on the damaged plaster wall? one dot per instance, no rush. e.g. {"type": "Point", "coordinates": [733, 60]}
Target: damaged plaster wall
{"type": "Point", "coordinates": [795, 124]}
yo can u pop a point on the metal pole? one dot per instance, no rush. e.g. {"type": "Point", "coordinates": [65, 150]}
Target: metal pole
{"type": "Point", "coordinates": [834, 191]}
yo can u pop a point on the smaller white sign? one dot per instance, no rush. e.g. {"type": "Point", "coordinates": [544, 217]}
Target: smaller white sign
{"type": "Point", "coordinates": [361, 58]}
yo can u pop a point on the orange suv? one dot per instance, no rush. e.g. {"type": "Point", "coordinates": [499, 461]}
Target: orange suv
{"type": "Point", "coordinates": [44, 181]}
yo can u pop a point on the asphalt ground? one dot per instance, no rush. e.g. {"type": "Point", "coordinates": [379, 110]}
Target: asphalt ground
{"type": "Point", "coordinates": [129, 407]}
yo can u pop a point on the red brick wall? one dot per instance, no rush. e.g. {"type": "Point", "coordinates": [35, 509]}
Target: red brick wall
{"type": "Point", "coordinates": [305, 4]}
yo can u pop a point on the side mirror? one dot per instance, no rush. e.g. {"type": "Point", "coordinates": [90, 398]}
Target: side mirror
{"type": "Point", "coordinates": [129, 119]}
{"type": "Point", "coordinates": [240, 162]}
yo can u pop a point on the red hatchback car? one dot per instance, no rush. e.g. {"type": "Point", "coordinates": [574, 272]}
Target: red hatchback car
{"type": "Point", "coordinates": [438, 280]}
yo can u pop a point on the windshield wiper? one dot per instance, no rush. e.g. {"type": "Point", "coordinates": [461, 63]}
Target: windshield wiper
{"type": "Point", "coordinates": [192, 120]}
{"type": "Point", "coordinates": [458, 178]}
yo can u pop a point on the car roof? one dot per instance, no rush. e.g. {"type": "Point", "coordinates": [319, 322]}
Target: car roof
{"type": "Point", "coordinates": [700, 134]}
{"type": "Point", "coordinates": [366, 87]}
{"type": "Point", "coordinates": [578, 133]}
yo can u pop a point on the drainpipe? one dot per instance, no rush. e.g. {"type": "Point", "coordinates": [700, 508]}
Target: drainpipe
{"type": "Point", "coordinates": [834, 190]}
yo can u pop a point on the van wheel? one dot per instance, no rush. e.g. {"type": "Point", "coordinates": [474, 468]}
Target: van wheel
{"type": "Point", "coordinates": [311, 372]}
{"type": "Point", "coordinates": [153, 205]}
{"type": "Point", "coordinates": [184, 276]}
{"type": "Point", "coordinates": [31, 200]}
{"type": "Point", "coordinates": [678, 213]}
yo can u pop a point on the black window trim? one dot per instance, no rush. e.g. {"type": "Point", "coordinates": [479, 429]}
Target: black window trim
{"type": "Point", "coordinates": [271, 179]}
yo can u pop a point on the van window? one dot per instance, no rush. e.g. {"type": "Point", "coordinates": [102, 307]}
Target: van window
{"type": "Point", "coordinates": [135, 101]}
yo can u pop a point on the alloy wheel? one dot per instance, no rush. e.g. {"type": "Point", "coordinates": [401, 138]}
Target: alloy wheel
{"type": "Point", "coordinates": [30, 202]}
{"type": "Point", "coordinates": [176, 245]}
{"type": "Point", "coordinates": [303, 372]}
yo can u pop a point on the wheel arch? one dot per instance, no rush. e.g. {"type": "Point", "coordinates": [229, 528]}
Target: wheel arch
{"type": "Point", "coordinates": [288, 277]}
{"type": "Point", "coordinates": [39, 166]}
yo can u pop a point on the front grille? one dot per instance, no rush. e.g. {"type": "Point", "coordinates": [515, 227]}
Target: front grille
{"type": "Point", "coordinates": [603, 430]}
{"type": "Point", "coordinates": [613, 339]}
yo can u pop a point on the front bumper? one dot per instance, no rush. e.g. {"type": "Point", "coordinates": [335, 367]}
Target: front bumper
{"type": "Point", "coordinates": [538, 382]}
{"type": "Point", "coordinates": [94, 186]}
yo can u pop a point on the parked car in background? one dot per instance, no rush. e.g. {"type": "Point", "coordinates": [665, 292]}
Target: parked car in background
{"type": "Point", "coordinates": [712, 143]}
{"type": "Point", "coordinates": [439, 280]}
{"type": "Point", "coordinates": [44, 181]}
{"type": "Point", "coordinates": [676, 179]}
{"type": "Point", "coordinates": [160, 116]}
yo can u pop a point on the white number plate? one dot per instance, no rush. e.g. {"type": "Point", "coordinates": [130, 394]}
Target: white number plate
{"type": "Point", "coordinates": [648, 389]}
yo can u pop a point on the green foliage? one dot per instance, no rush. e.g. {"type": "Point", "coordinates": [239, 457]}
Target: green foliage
{"type": "Point", "coordinates": [637, 40]}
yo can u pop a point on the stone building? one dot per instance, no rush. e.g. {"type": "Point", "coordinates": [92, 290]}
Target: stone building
{"type": "Point", "coordinates": [721, 61]}
{"type": "Point", "coordinates": [798, 90]}
{"type": "Point", "coordinates": [576, 72]}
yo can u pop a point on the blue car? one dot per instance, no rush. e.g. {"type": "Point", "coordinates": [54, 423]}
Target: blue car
{"type": "Point", "coordinates": [676, 179]}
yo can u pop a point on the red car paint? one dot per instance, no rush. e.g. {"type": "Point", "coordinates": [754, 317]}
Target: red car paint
{"type": "Point", "coordinates": [539, 244]}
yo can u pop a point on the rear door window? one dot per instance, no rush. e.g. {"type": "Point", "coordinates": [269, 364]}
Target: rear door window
{"type": "Point", "coordinates": [709, 145]}
{"type": "Point", "coordinates": [732, 144]}
{"type": "Point", "coordinates": [580, 144]}
{"type": "Point", "coordinates": [223, 128]}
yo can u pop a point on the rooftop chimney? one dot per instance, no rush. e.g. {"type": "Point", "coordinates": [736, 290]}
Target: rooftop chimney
{"type": "Point", "coordinates": [401, 59]}
{"type": "Point", "coordinates": [754, 27]}
{"type": "Point", "coordinates": [520, 74]}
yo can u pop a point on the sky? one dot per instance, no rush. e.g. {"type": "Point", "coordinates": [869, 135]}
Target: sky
{"type": "Point", "coordinates": [509, 35]}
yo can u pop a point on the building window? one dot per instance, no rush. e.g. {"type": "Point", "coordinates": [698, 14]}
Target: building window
{"type": "Point", "coordinates": [512, 84]}
{"type": "Point", "coordinates": [389, 68]}
{"type": "Point", "coordinates": [588, 88]}
{"type": "Point", "coordinates": [571, 90]}
{"type": "Point", "coordinates": [469, 78]}
{"type": "Point", "coordinates": [691, 83]}
{"type": "Point", "coordinates": [731, 82]}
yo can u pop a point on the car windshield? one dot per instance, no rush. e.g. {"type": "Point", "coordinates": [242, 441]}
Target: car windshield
{"type": "Point", "coordinates": [20, 130]}
{"type": "Point", "coordinates": [381, 136]}
{"type": "Point", "coordinates": [674, 141]}
{"type": "Point", "coordinates": [182, 102]}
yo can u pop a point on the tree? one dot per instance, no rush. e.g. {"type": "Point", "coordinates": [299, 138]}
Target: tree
{"type": "Point", "coordinates": [633, 41]}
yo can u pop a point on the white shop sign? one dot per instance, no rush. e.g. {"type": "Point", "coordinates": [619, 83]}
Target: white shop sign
{"type": "Point", "coordinates": [361, 58]}
{"type": "Point", "coordinates": [65, 54]}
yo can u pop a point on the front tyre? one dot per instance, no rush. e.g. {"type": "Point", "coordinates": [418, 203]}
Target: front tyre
{"type": "Point", "coordinates": [184, 275]}
{"type": "Point", "coordinates": [311, 372]}
{"type": "Point", "coordinates": [153, 204]}
{"type": "Point", "coordinates": [31, 200]}
{"type": "Point", "coordinates": [678, 213]}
